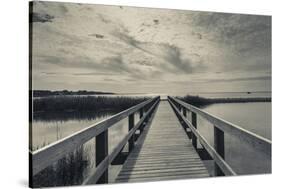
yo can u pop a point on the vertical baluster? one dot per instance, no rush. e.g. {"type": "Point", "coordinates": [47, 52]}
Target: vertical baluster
{"type": "Point", "coordinates": [131, 125]}
{"type": "Point", "coordinates": [141, 113]}
{"type": "Point", "coordinates": [142, 125]}
{"type": "Point", "coordinates": [184, 114]}
{"type": "Point", "coordinates": [101, 153]}
{"type": "Point", "coordinates": [194, 123]}
{"type": "Point", "coordinates": [219, 147]}
{"type": "Point", "coordinates": [184, 111]}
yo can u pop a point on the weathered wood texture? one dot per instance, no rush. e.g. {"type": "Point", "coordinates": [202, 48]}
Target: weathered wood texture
{"type": "Point", "coordinates": [163, 153]}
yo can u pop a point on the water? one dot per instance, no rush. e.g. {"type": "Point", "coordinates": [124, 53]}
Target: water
{"type": "Point", "coordinates": [259, 94]}
{"type": "Point", "coordinates": [255, 117]}
{"type": "Point", "coordinates": [79, 164]}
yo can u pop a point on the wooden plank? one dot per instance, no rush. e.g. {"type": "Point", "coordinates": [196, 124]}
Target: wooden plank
{"type": "Point", "coordinates": [165, 152]}
{"type": "Point", "coordinates": [159, 178]}
{"type": "Point", "coordinates": [168, 172]}
{"type": "Point", "coordinates": [168, 156]}
{"type": "Point", "coordinates": [138, 163]}
{"type": "Point", "coordinates": [257, 142]}
{"type": "Point", "coordinates": [161, 166]}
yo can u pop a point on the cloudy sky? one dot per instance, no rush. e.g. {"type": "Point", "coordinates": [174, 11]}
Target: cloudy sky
{"type": "Point", "coordinates": [141, 50]}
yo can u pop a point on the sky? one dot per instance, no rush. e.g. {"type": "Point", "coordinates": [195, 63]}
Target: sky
{"type": "Point", "coordinates": [144, 50]}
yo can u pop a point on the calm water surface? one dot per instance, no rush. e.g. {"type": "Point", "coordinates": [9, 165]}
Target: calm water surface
{"type": "Point", "coordinates": [255, 117]}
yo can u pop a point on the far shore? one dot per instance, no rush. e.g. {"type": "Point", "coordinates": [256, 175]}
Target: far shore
{"type": "Point", "coordinates": [202, 101]}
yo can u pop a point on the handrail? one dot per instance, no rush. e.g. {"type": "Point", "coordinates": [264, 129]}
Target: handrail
{"type": "Point", "coordinates": [95, 175]}
{"type": "Point", "coordinates": [49, 154]}
{"type": "Point", "coordinates": [227, 170]}
{"type": "Point", "coordinates": [256, 141]}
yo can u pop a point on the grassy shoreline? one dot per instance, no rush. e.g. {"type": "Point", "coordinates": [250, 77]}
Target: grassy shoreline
{"type": "Point", "coordinates": [201, 101]}
{"type": "Point", "coordinates": [48, 93]}
{"type": "Point", "coordinates": [84, 103]}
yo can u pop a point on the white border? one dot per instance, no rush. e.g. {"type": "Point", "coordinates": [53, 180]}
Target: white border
{"type": "Point", "coordinates": [14, 86]}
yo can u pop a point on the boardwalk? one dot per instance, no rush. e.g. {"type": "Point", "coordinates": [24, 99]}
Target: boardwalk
{"type": "Point", "coordinates": [163, 152]}
{"type": "Point", "coordinates": [159, 147]}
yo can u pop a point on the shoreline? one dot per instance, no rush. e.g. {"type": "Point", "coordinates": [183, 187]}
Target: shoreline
{"type": "Point", "coordinates": [199, 101]}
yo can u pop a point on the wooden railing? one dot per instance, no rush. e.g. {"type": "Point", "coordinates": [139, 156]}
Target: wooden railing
{"type": "Point", "coordinates": [47, 155]}
{"type": "Point", "coordinates": [220, 127]}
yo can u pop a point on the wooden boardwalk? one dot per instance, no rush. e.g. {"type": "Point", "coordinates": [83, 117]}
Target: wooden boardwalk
{"type": "Point", "coordinates": [163, 152]}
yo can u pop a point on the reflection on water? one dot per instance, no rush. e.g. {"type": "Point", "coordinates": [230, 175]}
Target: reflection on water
{"type": "Point", "coordinates": [50, 127]}
{"type": "Point", "coordinates": [255, 117]}
{"type": "Point", "coordinates": [76, 166]}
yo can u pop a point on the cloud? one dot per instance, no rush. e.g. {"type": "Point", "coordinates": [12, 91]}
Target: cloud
{"type": "Point", "coordinates": [169, 53]}
{"type": "Point", "coordinates": [51, 73]}
{"type": "Point", "coordinates": [108, 66]}
{"type": "Point", "coordinates": [98, 36]}
{"type": "Point", "coordinates": [243, 32]}
{"type": "Point", "coordinates": [63, 9]}
{"type": "Point", "coordinates": [116, 63]}
{"type": "Point", "coordinates": [41, 17]}
{"type": "Point", "coordinates": [94, 73]}
{"type": "Point", "coordinates": [69, 62]}
{"type": "Point", "coordinates": [93, 42]}
{"type": "Point", "coordinates": [198, 35]}
{"type": "Point", "coordinates": [81, 73]}
{"type": "Point", "coordinates": [156, 22]}
{"type": "Point", "coordinates": [257, 78]}
{"type": "Point", "coordinates": [173, 55]}
{"type": "Point", "coordinates": [103, 19]}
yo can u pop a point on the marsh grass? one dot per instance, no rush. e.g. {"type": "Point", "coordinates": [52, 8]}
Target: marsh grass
{"type": "Point", "coordinates": [84, 103]}
{"type": "Point", "coordinates": [67, 171]}
{"type": "Point", "coordinates": [201, 101]}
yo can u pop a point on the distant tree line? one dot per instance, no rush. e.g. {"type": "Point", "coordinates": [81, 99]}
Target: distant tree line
{"type": "Point", "coordinates": [43, 93]}
{"type": "Point", "coordinates": [201, 101]}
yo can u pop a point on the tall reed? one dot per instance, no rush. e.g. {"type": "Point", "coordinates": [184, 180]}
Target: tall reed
{"type": "Point", "coordinates": [84, 103]}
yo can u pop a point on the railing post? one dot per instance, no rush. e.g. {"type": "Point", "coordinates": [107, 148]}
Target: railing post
{"type": "Point", "coordinates": [101, 153]}
{"type": "Point", "coordinates": [219, 147]}
{"type": "Point", "coordinates": [142, 125]}
{"type": "Point", "coordinates": [131, 125]}
{"type": "Point", "coordinates": [184, 111]}
{"type": "Point", "coordinates": [141, 113]}
{"type": "Point", "coordinates": [194, 123]}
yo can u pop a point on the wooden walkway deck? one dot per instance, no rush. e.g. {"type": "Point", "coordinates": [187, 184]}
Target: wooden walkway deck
{"type": "Point", "coordinates": [163, 152]}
